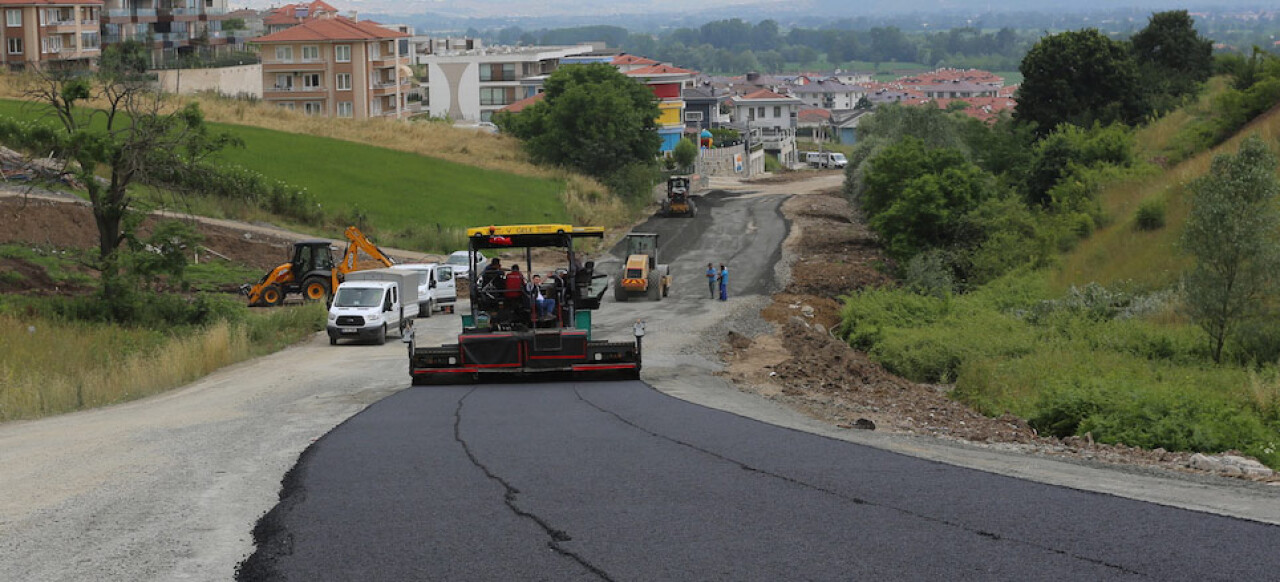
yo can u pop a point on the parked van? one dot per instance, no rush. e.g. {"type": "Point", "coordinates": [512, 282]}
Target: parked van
{"type": "Point", "coordinates": [436, 290]}
{"type": "Point", "coordinates": [826, 159]}
{"type": "Point", "coordinates": [370, 304]}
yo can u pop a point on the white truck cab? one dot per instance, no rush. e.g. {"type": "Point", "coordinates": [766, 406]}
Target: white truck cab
{"type": "Point", "coordinates": [436, 290]}
{"type": "Point", "coordinates": [371, 304]}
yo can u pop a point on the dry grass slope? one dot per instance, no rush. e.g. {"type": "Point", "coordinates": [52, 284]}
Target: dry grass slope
{"type": "Point", "coordinates": [1121, 252]}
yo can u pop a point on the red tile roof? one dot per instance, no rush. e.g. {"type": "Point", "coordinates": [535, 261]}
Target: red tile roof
{"type": "Point", "coordinates": [327, 29]}
{"type": "Point", "coordinates": [814, 115]}
{"type": "Point", "coordinates": [763, 94]}
{"type": "Point", "coordinates": [49, 2]}
{"type": "Point", "coordinates": [983, 108]}
{"type": "Point", "coordinates": [288, 14]}
{"type": "Point", "coordinates": [520, 105]}
{"type": "Point", "coordinates": [659, 70]}
{"type": "Point", "coordinates": [633, 60]}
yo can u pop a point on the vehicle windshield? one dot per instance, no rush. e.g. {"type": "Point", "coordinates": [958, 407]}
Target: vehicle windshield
{"type": "Point", "coordinates": [457, 260]}
{"type": "Point", "coordinates": [838, 157]}
{"type": "Point", "coordinates": [633, 273]}
{"type": "Point", "coordinates": [354, 297]}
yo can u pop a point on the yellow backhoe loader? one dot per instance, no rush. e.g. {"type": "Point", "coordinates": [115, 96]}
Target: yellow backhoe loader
{"type": "Point", "coordinates": [312, 272]}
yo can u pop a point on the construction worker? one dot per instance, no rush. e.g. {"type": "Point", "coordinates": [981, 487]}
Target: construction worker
{"type": "Point", "coordinates": [712, 274]}
{"type": "Point", "coordinates": [724, 282]}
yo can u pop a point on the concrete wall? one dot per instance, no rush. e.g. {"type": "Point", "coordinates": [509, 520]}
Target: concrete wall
{"type": "Point", "coordinates": [721, 162]}
{"type": "Point", "coordinates": [241, 80]}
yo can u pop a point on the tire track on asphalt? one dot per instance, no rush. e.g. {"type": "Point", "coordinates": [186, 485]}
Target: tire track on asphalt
{"type": "Point", "coordinates": [509, 498]}
{"type": "Point", "coordinates": [857, 500]}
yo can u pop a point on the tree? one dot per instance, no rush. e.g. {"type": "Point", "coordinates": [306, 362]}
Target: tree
{"type": "Point", "coordinates": [114, 130]}
{"type": "Point", "coordinates": [233, 24]}
{"type": "Point", "coordinates": [685, 153]}
{"type": "Point", "coordinates": [593, 118]}
{"type": "Point", "coordinates": [1232, 233]}
{"type": "Point", "coordinates": [1172, 53]}
{"type": "Point", "coordinates": [1079, 77]}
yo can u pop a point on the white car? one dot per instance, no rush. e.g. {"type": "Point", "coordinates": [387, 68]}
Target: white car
{"type": "Point", "coordinates": [437, 288]}
{"type": "Point", "coordinates": [461, 263]}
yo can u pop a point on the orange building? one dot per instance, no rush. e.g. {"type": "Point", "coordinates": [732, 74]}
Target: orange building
{"type": "Point", "coordinates": [51, 34]}
{"type": "Point", "coordinates": [336, 67]}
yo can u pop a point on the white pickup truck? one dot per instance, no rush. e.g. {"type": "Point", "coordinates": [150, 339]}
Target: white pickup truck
{"type": "Point", "coordinates": [436, 290]}
{"type": "Point", "coordinates": [369, 304]}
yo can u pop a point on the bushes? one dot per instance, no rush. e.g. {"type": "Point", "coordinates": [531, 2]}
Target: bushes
{"type": "Point", "coordinates": [1094, 360]}
{"type": "Point", "coordinates": [1151, 214]}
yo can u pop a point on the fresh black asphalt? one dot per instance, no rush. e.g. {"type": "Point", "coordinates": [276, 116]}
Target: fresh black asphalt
{"type": "Point", "coordinates": [617, 481]}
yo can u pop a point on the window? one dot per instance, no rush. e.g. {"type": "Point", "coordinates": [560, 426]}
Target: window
{"type": "Point", "coordinates": [498, 72]}
{"type": "Point", "coordinates": [15, 46]}
{"type": "Point", "coordinates": [342, 53]}
{"type": "Point", "coordinates": [310, 53]}
{"type": "Point", "coordinates": [51, 44]}
{"type": "Point", "coordinates": [286, 105]}
{"type": "Point", "coordinates": [284, 53]}
{"type": "Point", "coordinates": [313, 107]}
{"type": "Point", "coordinates": [311, 80]}
{"type": "Point", "coordinates": [497, 95]}
{"type": "Point", "coordinates": [777, 111]}
{"type": "Point", "coordinates": [760, 112]}
{"type": "Point", "coordinates": [13, 18]}
{"type": "Point", "coordinates": [693, 116]}
{"type": "Point", "coordinates": [486, 116]}
{"type": "Point", "coordinates": [343, 81]}
{"type": "Point", "coordinates": [344, 109]}
{"type": "Point", "coordinates": [90, 40]}
{"type": "Point", "coordinates": [284, 82]}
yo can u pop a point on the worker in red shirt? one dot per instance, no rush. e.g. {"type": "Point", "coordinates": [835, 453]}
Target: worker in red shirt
{"type": "Point", "coordinates": [514, 283]}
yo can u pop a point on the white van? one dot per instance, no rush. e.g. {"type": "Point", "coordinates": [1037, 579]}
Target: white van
{"type": "Point", "coordinates": [370, 304]}
{"type": "Point", "coordinates": [436, 290]}
{"type": "Point", "coordinates": [826, 159]}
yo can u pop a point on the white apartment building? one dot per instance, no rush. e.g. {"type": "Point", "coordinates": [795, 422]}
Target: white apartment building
{"type": "Point", "coordinates": [470, 85]}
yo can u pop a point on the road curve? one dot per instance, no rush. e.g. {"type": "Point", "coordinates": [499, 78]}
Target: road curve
{"type": "Point", "coordinates": [616, 481]}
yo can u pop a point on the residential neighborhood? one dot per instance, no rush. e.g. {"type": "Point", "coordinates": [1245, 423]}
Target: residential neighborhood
{"type": "Point", "coordinates": [315, 58]}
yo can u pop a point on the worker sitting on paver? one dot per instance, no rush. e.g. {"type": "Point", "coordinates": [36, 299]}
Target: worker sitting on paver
{"type": "Point", "coordinates": [543, 306]}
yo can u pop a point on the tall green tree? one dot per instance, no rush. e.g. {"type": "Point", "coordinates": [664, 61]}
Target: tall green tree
{"type": "Point", "coordinates": [593, 119]}
{"type": "Point", "coordinates": [1174, 57]}
{"type": "Point", "coordinates": [1232, 233]}
{"type": "Point", "coordinates": [1079, 77]}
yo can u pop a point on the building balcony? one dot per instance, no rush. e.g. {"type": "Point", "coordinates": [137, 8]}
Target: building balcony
{"type": "Point", "coordinates": [388, 61]}
{"type": "Point", "coordinates": [294, 92]}
{"type": "Point", "coordinates": [293, 65]}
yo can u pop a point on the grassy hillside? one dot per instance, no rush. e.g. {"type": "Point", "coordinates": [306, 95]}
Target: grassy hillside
{"type": "Point", "coordinates": [1121, 252]}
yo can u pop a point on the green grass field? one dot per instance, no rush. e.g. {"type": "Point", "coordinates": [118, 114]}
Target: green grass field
{"type": "Point", "coordinates": [395, 190]}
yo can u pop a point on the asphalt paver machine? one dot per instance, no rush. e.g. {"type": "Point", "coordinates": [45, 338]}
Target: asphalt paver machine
{"type": "Point", "coordinates": [506, 333]}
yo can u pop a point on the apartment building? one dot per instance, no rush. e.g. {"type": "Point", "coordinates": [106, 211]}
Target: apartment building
{"type": "Point", "coordinates": [48, 34]}
{"type": "Point", "coordinates": [336, 67]}
{"type": "Point", "coordinates": [169, 27]}
{"type": "Point", "coordinates": [471, 85]}
{"type": "Point", "coordinates": [668, 84]}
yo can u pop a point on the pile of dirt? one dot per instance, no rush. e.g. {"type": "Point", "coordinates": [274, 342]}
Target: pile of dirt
{"type": "Point", "coordinates": [802, 364]}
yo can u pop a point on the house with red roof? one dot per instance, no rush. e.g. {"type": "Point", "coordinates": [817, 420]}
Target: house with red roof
{"type": "Point", "coordinates": [772, 118]}
{"type": "Point", "coordinates": [336, 67]}
{"type": "Point", "coordinates": [290, 15]}
{"type": "Point", "coordinates": [48, 34]}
